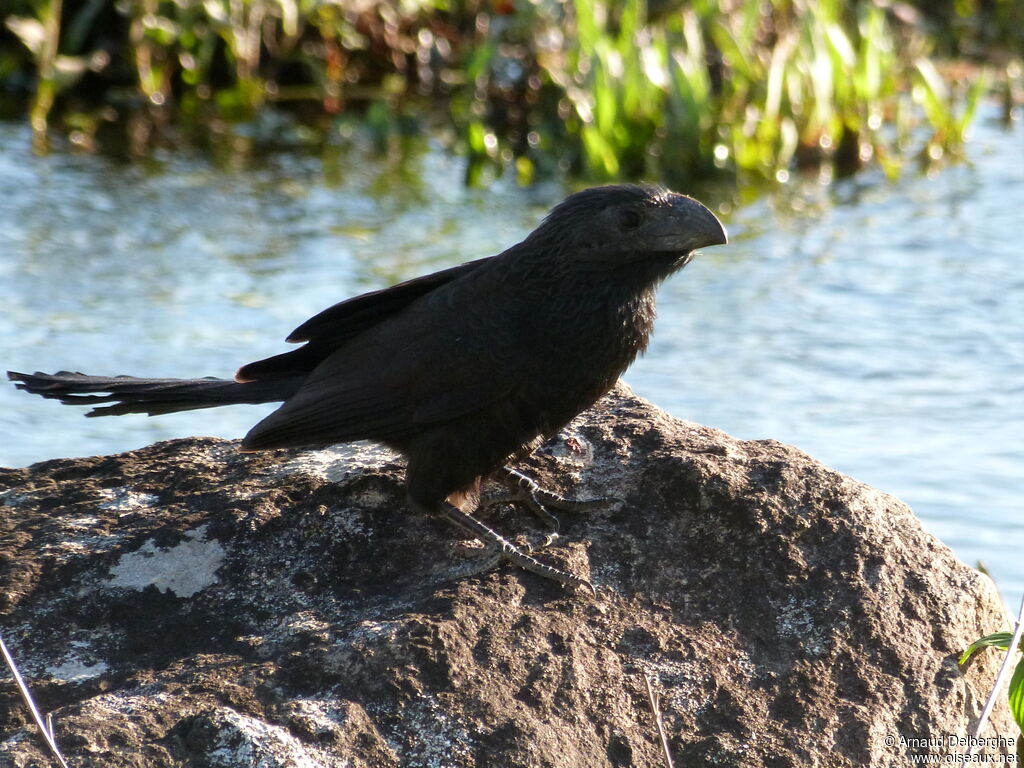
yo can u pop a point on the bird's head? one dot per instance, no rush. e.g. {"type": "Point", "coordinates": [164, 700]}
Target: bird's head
{"type": "Point", "coordinates": [630, 224]}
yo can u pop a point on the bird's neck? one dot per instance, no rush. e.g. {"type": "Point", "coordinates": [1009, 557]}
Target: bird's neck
{"type": "Point", "coordinates": [614, 313]}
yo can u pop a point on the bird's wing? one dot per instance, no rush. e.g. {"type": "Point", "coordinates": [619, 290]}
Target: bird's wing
{"type": "Point", "coordinates": [451, 353]}
{"type": "Point", "coordinates": [330, 329]}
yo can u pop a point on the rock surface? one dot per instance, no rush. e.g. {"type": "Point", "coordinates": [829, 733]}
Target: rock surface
{"type": "Point", "coordinates": [189, 605]}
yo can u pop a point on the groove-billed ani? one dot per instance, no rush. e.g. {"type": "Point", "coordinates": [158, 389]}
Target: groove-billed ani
{"type": "Point", "coordinates": [462, 370]}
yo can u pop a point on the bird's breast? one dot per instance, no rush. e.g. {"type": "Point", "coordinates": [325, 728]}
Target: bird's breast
{"type": "Point", "coordinates": [586, 347]}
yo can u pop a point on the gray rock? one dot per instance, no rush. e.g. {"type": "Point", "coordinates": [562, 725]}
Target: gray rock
{"type": "Point", "coordinates": [186, 604]}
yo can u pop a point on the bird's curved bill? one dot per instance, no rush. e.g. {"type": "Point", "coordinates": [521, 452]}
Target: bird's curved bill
{"type": "Point", "coordinates": [690, 225]}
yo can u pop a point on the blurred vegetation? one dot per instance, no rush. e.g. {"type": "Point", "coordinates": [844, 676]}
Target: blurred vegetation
{"type": "Point", "coordinates": [662, 88]}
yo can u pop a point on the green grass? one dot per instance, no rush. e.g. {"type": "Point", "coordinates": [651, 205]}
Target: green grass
{"type": "Point", "coordinates": [729, 86]}
{"type": "Point", "coordinates": [1015, 694]}
{"type": "Point", "coordinates": [597, 89]}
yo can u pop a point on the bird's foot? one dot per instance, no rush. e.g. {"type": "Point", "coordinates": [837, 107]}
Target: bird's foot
{"type": "Point", "coordinates": [470, 548]}
{"type": "Point", "coordinates": [503, 549]}
{"type": "Point", "coordinates": [525, 490]}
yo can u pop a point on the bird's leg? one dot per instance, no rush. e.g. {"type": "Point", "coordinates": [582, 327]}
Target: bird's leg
{"type": "Point", "coordinates": [524, 490]}
{"type": "Point", "coordinates": [504, 549]}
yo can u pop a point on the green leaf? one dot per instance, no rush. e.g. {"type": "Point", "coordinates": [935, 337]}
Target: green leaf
{"type": "Point", "coordinates": [840, 45]}
{"type": "Point", "coordinates": [999, 640]}
{"type": "Point", "coordinates": [600, 156]}
{"type": "Point", "coordinates": [289, 17]}
{"type": "Point", "coordinates": [29, 31]}
{"type": "Point", "coordinates": [978, 89]}
{"type": "Point", "coordinates": [216, 11]}
{"type": "Point", "coordinates": [1017, 694]}
{"type": "Point", "coordinates": [480, 60]}
{"type": "Point", "coordinates": [933, 94]}
{"type": "Point", "coordinates": [587, 30]}
{"type": "Point", "coordinates": [776, 75]}
{"type": "Point", "coordinates": [67, 70]}
{"type": "Point", "coordinates": [476, 133]}
{"type": "Point", "coordinates": [873, 61]}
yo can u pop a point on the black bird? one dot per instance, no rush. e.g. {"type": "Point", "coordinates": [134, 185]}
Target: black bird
{"type": "Point", "coordinates": [462, 370]}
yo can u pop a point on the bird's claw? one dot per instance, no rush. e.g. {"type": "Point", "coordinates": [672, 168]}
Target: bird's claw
{"type": "Point", "coordinates": [503, 549]}
{"type": "Point", "coordinates": [526, 491]}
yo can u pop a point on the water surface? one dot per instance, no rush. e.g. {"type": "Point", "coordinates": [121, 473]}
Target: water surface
{"type": "Point", "coordinates": [876, 325]}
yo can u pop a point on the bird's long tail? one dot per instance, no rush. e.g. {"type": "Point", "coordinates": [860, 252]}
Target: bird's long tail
{"type": "Point", "coordinates": [150, 396]}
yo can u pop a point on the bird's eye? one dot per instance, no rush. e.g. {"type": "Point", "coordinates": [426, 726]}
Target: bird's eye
{"type": "Point", "coordinates": [629, 218]}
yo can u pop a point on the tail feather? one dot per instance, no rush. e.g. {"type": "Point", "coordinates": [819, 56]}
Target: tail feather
{"type": "Point", "coordinates": [150, 396]}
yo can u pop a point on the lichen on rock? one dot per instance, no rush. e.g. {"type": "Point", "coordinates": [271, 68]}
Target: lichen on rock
{"type": "Point", "coordinates": [187, 604]}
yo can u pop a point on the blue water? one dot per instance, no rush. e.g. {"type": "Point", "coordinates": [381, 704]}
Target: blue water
{"type": "Point", "coordinates": [878, 325]}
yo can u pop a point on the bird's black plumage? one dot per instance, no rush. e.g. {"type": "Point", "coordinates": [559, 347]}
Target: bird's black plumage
{"type": "Point", "coordinates": [464, 369]}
